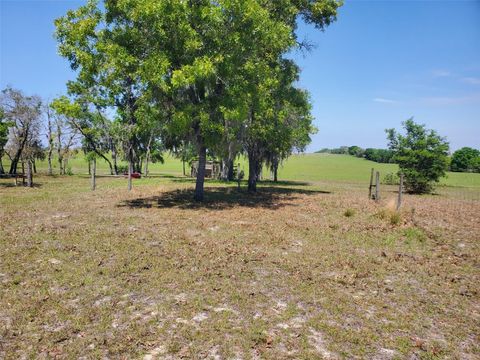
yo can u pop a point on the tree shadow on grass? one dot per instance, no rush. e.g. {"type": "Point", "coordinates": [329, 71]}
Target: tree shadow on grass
{"type": "Point", "coordinates": [220, 198]}
{"type": "Point", "coordinates": [185, 179]}
{"type": "Point", "coordinates": [20, 185]}
{"type": "Point", "coordinates": [285, 183]}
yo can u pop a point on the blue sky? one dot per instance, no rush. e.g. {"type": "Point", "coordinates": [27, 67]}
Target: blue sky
{"type": "Point", "coordinates": [379, 64]}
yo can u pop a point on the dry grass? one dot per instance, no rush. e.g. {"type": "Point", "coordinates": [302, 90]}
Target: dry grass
{"type": "Point", "coordinates": [284, 274]}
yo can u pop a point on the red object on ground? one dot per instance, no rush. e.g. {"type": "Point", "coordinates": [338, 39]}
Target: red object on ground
{"type": "Point", "coordinates": [135, 175]}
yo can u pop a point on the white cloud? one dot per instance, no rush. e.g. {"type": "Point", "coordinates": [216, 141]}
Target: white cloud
{"type": "Point", "coordinates": [385, 101]}
{"type": "Point", "coordinates": [471, 80]}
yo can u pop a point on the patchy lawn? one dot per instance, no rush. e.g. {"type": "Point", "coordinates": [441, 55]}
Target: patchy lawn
{"type": "Point", "coordinates": [297, 271]}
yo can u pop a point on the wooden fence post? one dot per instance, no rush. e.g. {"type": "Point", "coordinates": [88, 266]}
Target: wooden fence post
{"type": "Point", "coordinates": [371, 184]}
{"type": "Point", "coordinates": [377, 186]}
{"type": "Point", "coordinates": [400, 192]}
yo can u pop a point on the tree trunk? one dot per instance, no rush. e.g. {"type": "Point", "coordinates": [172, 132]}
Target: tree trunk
{"type": "Point", "coordinates": [224, 173]}
{"type": "Point", "coordinates": [23, 173]}
{"type": "Point", "coordinates": [50, 146]}
{"type": "Point", "coordinates": [60, 158]}
{"type": "Point", "coordinates": [145, 170]}
{"type": "Point", "coordinates": [147, 155]}
{"type": "Point", "coordinates": [13, 166]}
{"type": "Point", "coordinates": [59, 149]}
{"type": "Point", "coordinates": [104, 158]}
{"type": "Point", "coordinates": [29, 173]}
{"type": "Point", "coordinates": [94, 170]}
{"type": "Point", "coordinates": [16, 158]}
{"type": "Point", "coordinates": [230, 176]}
{"type": "Point", "coordinates": [202, 160]}
{"type": "Point", "coordinates": [231, 156]}
{"type": "Point", "coordinates": [2, 170]}
{"type": "Point", "coordinates": [146, 165]}
{"type": "Point", "coordinates": [114, 158]}
{"type": "Point", "coordinates": [227, 168]}
{"type": "Point", "coordinates": [183, 163]}
{"type": "Point", "coordinates": [49, 158]}
{"type": "Point", "coordinates": [89, 167]}
{"type": "Point", "coordinates": [130, 170]}
{"type": "Point", "coordinates": [34, 166]}
{"type": "Point", "coordinates": [252, 171]}
{"type": "Point", "coordinates": [275, 170]}
{"type": "Point", "coordinates": [108, 162]}
{"type": "Point", "coordinates": [60, 165]}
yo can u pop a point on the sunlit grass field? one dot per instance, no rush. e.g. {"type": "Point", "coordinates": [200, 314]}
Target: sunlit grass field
{"type": "Point", "coordinates": [301, 167]}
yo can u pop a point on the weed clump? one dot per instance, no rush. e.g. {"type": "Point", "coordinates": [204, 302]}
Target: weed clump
{"type": "Point", "coordinates": [395, 218]}
{"type": "Point", "coordinates": [349, 213]}
{"type": "Point", "coordinates": [392, 216]}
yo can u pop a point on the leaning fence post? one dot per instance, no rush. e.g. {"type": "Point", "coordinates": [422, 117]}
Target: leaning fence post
{"type": "Point", "coordinates": [377, 186]}
{"type": "Point", "coordinates": [371, 185]}
{"type": "Point", "coordinates": [400, 192]}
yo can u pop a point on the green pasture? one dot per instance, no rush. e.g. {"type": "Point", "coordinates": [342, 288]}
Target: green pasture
{"type": "Point", "coordinates": [301, 167]}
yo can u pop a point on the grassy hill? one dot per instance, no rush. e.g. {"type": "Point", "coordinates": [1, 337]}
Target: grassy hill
{"type": "Point", "coordinates": [346, 168]}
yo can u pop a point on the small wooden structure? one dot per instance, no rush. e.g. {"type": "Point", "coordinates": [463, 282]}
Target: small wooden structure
{"type": "Point", "coordinates": [212, 169]}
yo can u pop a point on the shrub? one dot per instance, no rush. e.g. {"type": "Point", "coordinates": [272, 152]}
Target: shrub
{"type": "Point", "coordinates": [68, 171]}
{"type": "Point", "coordinates": [391, 179]}
{"type": "Point", "coordinates": [356, 151]}
{"type": "Point", "coordinates": [421, 154]}
{"type": "Point", "coordinates": [122, 169]}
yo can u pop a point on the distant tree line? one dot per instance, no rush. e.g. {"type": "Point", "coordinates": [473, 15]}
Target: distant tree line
{"type": "Point", "coordinates": [377, 155]}
{"type": "Point", "coordinates": [465, 159]}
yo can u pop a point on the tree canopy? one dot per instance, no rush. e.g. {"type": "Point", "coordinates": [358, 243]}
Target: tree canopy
{"type": "Point", "coordinates": [421, 154]}
{"type": "Point", "coordinates": [466, 159]}
{"type": "Point", "coordinates": [210, 74]}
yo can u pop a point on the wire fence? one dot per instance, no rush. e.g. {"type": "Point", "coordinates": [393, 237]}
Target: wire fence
{"type": "Point", "coordinates": [387, 189]}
